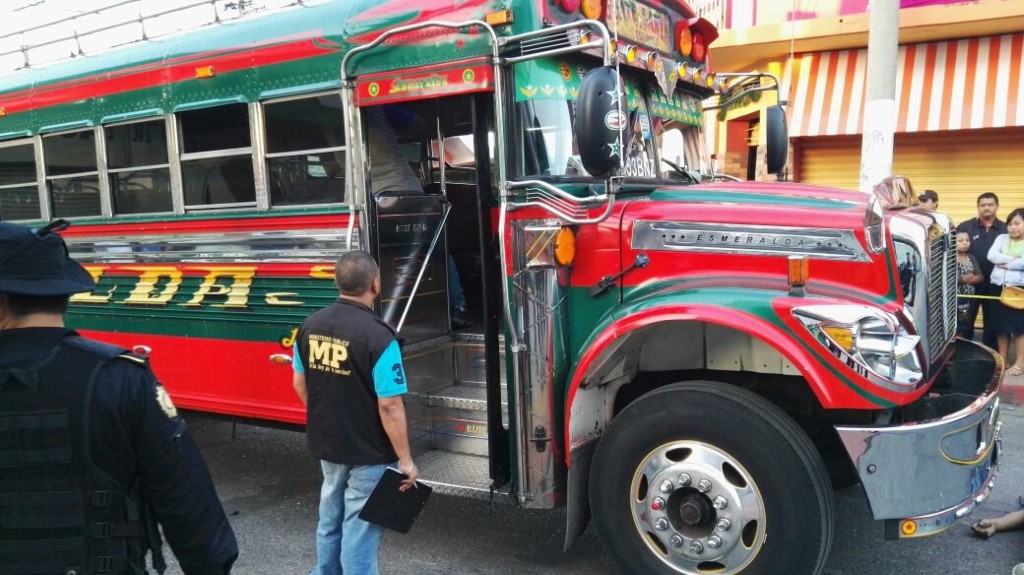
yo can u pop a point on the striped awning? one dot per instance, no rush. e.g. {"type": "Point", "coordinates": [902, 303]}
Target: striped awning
{"type": "Point", "coordinates": [953, 85]}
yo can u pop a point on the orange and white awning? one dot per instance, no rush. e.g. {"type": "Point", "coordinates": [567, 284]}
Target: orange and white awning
{"type": "Point", "coordinates": [954, 85]}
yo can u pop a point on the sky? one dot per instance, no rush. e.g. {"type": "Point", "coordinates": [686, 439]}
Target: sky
{"type": "Point", "coordinates": [48, 27]}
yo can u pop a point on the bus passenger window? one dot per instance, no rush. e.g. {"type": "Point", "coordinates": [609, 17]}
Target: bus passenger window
{"type": "Point", "coordinates": [216, 157]}
{"type": "Point", "coordinates": [137, 165]}
{"type": "Point", "coordinates": [305, 151]}
{"type": "Point", "coordinates": [19, 193]}
{"type": "Point", "coordinates": [71, 174]}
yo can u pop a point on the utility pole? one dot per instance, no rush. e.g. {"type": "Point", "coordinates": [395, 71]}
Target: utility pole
{"type": "Point", "coordinates": [880, 106]}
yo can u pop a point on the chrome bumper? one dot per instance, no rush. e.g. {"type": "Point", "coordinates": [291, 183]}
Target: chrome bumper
{"type": "Point", "coordinates": [923, 475]}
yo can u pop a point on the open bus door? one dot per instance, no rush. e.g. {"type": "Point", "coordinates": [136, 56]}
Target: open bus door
{"type": "Point", "coordinates": [430, 209]}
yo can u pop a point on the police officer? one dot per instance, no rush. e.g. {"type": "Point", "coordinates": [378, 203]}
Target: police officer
{"type": "Point", "coordinates": [93, 453]}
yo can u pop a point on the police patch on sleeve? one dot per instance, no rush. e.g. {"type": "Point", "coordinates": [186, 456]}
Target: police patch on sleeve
{"type": "Point", "coordinates": [163, 399]}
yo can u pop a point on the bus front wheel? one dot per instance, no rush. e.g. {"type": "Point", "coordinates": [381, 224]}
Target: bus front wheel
{"type": "Point", "coordinates": [702, 477]}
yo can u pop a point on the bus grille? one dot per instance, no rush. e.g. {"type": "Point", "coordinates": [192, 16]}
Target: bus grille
{"type": "Point", "coordinates": [941, 293]}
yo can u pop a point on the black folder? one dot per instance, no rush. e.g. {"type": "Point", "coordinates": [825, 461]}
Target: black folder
{"type": "Point", "coordinates": [394, 509]}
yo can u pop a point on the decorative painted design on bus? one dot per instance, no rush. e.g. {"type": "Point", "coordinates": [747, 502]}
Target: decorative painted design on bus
{"type": "Point", "coordinates": [158, 285]}
{"type": "Point", "coordinates": [431, 81]}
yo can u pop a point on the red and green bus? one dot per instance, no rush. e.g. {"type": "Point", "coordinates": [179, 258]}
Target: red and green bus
{"type": "Point", "coordinates": [689, 363]}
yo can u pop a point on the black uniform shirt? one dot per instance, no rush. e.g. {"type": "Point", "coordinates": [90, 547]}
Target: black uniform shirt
{"type": "Point", "coordinates": [350, 358]}
{"type": "Point", "coordinates": [982, 239]}
{"type": "Point", "coordinates": [136, 434]}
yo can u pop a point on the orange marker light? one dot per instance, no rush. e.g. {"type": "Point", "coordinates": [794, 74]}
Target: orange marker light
{"type": "Point", "coordinates": [798, 269]}
{"type": "Point", "coordinates": [908, 528]}
{"type": "Point", "coordinates": [499, 18]}
{"type": "Point", "coordinates": [565, 247]}
{"type": "Point", "coordinates": [684, 39]}
{"type": "Point", "coordinates": [205, 72]}
{"type": "Point", "coordinates": [592, 9]}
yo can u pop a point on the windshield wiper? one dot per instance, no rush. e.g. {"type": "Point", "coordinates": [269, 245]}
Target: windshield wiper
{"type": "Point", "coordinates": [682, 171]}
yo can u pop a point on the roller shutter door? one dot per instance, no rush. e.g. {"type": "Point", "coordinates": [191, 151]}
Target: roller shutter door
{"type": "Point", "coordinates": [958, 165]}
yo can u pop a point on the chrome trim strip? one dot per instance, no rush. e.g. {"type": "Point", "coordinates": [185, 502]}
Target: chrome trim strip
{"type": "Point", "coordinates": [540, 297]}
{"type": "Point", "coordinates": [174, 163]}
{"type": "Point", "coordinates": [286, 246]}
{"type": "Point", "coordinates": [106, 201]}
{"type": "Point", "coordinates": [45, 208]}
{"type": "Point", "coordinates": [815, 243]}
{"type": "Point", "coordinates": [917, 469]}
{"type": "Point", "coordinates": [257, 137]}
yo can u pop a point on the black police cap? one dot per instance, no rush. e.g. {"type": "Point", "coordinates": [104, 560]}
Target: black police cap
{"type": "Point", "coordinates": [36, 262]}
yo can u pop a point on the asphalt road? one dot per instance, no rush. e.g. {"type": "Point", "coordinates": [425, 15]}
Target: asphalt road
{"type": "Point", "coordinates": [270, 486]}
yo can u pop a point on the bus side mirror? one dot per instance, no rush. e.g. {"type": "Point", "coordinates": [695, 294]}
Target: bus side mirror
{"type": "Point", "coordinates": [777, 144]}
{"type": "Point", "coordinates": [602, 114]}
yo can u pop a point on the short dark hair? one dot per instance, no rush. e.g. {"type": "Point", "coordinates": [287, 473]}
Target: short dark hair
{"type": "Point", "coordinates": [354, 272]}
{"type": "Point", "coordinates": [1015, 213]}
{"type": "Point", "coordinates": [24, 305]}
{"type": "Point", "coordinates": [988, 196]}
{"type": "Point", "coordinates": [928, 196]}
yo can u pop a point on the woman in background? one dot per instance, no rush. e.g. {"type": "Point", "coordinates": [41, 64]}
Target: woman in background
{"type": "Point", "coordinates": [1007, 255]}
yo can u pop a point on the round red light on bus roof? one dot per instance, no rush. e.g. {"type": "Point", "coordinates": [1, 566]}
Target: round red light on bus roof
{"type": "Point", "coordinates": [684, 39]}
{"type": "Point", "coordinates": [699, 47]}
{"type": "Point", "coordinates": [569, 6]}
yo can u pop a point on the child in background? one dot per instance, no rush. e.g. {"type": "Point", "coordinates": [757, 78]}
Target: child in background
{"type": "Point", "coordinates": [968, 275]}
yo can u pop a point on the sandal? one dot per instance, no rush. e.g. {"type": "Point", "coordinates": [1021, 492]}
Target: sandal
{"type": "Point", "coordinates": [1015, 370]}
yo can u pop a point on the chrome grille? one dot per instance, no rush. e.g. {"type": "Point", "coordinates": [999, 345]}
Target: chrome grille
{"type": "Point", "coordinates": [941, 292]}
{"type": "Point", "coordinates": [555, 40]}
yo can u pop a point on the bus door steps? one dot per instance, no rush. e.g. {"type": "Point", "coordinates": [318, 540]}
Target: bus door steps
{"type": "Point", "coordinates": [459, 475]}
{"type": "Point", "coordinates": [471, 359]}
{"type": "Point", "coordinates": [452, 418]}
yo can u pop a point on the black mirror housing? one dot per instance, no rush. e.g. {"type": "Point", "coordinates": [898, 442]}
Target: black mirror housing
{"type": "Point", "coordinates": [777, 139]}
{"type": "Point", "coordinates": [602, 121]}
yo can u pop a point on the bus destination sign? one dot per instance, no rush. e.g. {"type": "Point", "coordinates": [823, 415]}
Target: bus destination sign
{"type": "Point", "coordinates": [643, 24]}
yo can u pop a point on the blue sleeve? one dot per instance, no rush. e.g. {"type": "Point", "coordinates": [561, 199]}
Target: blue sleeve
{"type": "Point", "coordinates": [388, 372]}
{"type": "Point", "coordinates": [297, 360]}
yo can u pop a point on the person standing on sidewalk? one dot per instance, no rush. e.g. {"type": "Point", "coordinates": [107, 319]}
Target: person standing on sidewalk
{"type": "Point", "coordinates": [983, 231]}
{"type": "Point", "coordinates": [348, 371]}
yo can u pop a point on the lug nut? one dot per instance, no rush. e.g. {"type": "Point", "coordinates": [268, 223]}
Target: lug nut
{"type": "Point", "coordinates": [696, 548]}
{"type": "Point", "coordinates": [720, 502]}
{"type": "Point", "coordinates": [714, 542]}
{"type": "Point", "coordinates": [676, 540]}
{"type": "Point", "coordinates": [666, 486]}
{"type": "Point", "coordinates": [684, 480]}
{"type": "Point", "coordinates": [724, 524]}
{"type": "Point", "coordinates": [657, 504]}
{"type": "Point", "coordinates": [661, 524]}
{"type": "Point", "coordinates": [704, 486]}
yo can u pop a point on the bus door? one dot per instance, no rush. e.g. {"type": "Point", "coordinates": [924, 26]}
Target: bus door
{"type": "Point", "coordinates": [429, 213]}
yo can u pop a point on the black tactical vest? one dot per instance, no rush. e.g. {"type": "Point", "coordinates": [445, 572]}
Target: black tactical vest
{"type": "Point", "coordinates": [59, 513]}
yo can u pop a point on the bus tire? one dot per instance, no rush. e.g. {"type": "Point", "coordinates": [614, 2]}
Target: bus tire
{"type": "Point", "coordinates": [704, 477]}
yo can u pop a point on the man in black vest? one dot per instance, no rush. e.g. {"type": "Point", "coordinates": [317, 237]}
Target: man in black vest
{"type": "Point", "coordinates": [349, 373]}
{"type": "Point", "coordinates": [983, 231]}
{"type": "Point", "coordinates": [93, 453]}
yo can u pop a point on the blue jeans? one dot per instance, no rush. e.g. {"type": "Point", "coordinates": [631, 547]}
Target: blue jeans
{"type": "Point", "coordinates": [344, 542]}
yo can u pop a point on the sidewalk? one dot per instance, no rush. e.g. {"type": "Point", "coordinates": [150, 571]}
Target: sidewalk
{"type": "Point", "coordinates": [1013, 389]}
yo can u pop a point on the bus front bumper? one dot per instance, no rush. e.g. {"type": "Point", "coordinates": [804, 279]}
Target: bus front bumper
{"type": "Point", "coordinates": [923, 475]}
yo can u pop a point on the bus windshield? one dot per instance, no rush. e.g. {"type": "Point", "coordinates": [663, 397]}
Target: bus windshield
{"type": "Point", "coordinates": [666, 131]}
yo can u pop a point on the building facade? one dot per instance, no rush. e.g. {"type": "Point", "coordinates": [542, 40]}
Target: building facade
{"type": "Point", "coordinates": [960, 107]}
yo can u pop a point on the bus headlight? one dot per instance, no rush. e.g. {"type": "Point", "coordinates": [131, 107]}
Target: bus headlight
{"type": "Point", "coordinates": [868, 340]}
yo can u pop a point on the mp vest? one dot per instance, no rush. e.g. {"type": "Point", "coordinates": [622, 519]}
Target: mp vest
{"type": "Point", "coordinates": [339, 346]}
{"type": "Point", "coordinates": [59, 513]}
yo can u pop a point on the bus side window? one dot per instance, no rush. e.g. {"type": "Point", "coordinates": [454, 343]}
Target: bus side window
{"type": "Point", "coordinates": [138, 170]}
{"type": "Point", "coordinates": [305, 151]}
{"type": "Point", "coordinates": [216, 157]}
{"type": "Point", "coordinates": [19, 192]}
{"type": "Point", "coordinates": [71, 174]}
